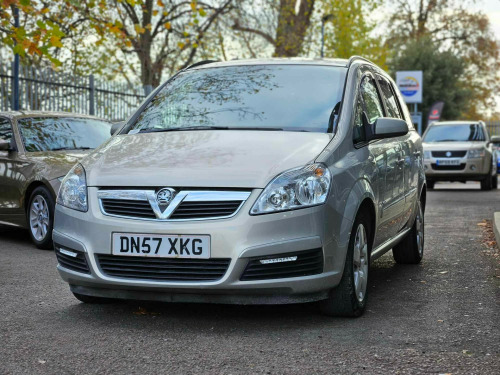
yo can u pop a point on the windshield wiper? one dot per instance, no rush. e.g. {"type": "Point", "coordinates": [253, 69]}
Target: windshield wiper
{"type": "Point", "coordinates": [183, 128]}
{"type": "Point", "coordinates": [72, 148]}
{"type": "Point", "coordinates": [187, 128]}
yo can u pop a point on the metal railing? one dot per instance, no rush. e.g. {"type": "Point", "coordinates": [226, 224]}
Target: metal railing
{"type": "Point", "coordinates": [47, 90]}
{"type": "Point", "coordinates": [493, 127]}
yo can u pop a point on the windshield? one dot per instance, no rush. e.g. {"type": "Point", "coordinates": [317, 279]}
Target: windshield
{"type": "Point", "coordinates": [455, 133]}
{"type": "Point", "coordinates": [272, 97]}
{"type": "Point", "coordinates": [62, 133]}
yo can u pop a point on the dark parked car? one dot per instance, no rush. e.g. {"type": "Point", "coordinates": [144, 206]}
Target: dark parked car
{"type": "Point", "coordinates": [37, 149]}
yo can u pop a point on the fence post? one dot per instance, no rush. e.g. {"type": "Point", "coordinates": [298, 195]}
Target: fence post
{"type": "Point", "coordinates": [92, 95]}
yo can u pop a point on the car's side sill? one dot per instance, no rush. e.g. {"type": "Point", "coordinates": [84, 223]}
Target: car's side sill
{"type": "Point", "coordinates": [387, 245]}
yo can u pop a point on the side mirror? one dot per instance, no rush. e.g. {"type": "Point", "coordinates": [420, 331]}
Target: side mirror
{"type": "Point", "coordinates": [116, 126]}
{"type": "Point", "coordinates": [385, 127]}
{"type": "Point", "coordinates": [5, 145]}
{"type": "Point", "coordinates": [495, 139]}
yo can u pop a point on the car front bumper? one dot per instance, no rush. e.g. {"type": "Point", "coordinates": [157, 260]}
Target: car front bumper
{"type": "Point", "coordinates": [467, 169]}
{"type": "Point", "coordinates": [241, 238]}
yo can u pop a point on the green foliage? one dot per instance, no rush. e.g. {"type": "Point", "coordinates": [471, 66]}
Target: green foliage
{"type": "Point", "coordinates": [349, 32]}
{"type": "Point", "coordinates": [466, 34]}
{"type": "Point", "coordinates": [444, 76]}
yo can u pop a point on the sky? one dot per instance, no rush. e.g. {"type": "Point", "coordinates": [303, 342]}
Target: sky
{"type": "Point", "coordinates": [492, 9]}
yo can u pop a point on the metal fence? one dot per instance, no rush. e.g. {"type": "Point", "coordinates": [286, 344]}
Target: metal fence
{"type": "Point", "coordinates": [47, 90]}
{"type": "Point", "coordinates": [493, 127]}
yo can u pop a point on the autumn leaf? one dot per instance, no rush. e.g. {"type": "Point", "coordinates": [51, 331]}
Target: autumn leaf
{"type": "Point", "coordinates": [168, 25]}
{"type": "Point", "coordinates": [55, 41]}
{"type": "Point", "coordinates": [193, 5]}
{"type": "Point", "coordinates": [160, 3]}
{"type": "Point", "coordinates": [139, 29]}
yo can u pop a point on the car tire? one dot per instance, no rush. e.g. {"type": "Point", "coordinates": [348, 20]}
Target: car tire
{"type": "Point", "coordinates": [430, 185]}
{"type": "Point", "coordinates": [411, 248]}
{"type": "Point", "coordinates": [494, 182]}
{"type": "Point", "coordinates": [40, 217]}
{"type": "Point", "coordinates": [350, 296]}
{"type": "Point", "coordinates": [486, 183]}
{"type": "Point", "coordinates": [91, 299]}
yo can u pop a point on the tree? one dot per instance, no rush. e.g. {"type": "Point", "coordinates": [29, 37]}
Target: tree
{"type": "Point", "coordinates": [160, 33]}
{"type": "Point", "coordinates": [452, 27]}
{"type": "Point", "coordinates": [444, 78]}
{"type": "Point", "coordinates": [290, 20]}
{"type": "Point", "coordinates": [349, 33]}
{"type": "Point", "coordinates": [42, 27]}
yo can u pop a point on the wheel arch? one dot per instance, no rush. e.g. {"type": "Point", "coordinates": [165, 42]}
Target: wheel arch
{"type": "Point", "coordinates": [361, 197]}
{"type": "Point", "coordinates": [31, 187]}
{"type": "Point", "coordinates": [423, 196]}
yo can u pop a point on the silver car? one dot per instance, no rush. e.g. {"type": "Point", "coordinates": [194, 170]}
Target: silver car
{"type": "Point", "coordinates": [258, 181]}
{"type": "Point", "coordinates": [459, 151]}
{"type": "Point", "coordinates": [37, 149]}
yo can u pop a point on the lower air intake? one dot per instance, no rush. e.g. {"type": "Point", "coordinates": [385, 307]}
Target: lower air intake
{"type": "Point", "coordinates": [303, 263]}
{"type": "Point", "coordinates": [72, 260]}
{"type": "Point", "coordinates": [163, 269]}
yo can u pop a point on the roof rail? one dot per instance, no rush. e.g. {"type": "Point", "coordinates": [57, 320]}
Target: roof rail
{"type": "Point", "coordinates": [203, 62]}
{"type": "Point", "coordinates": [354, 58]}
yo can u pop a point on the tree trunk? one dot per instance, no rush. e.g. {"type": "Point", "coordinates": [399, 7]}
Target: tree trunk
{"type": "Point", "coordinates": [292, 27]}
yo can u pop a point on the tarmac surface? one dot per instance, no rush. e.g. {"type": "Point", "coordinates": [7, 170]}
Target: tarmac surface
{"type": "Point", "coordinates": [441, 316]}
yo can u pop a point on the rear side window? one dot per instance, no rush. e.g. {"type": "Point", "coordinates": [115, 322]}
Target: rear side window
{"type": "Point", "coordinates": [389, 98]}
{"type": "Point", "coordinates": [5, 129]}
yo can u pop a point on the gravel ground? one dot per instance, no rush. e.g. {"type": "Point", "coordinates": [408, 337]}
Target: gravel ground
{"type": "Point", "coordinates": [441, 316]}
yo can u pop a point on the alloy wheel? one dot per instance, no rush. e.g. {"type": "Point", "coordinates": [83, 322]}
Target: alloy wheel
{"type": "Point", "coordinates": [39, 218]}
{"type": "Point", "coordinates": [360, 263]}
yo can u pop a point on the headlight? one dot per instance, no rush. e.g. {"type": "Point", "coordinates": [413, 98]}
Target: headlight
{"type": "Point", "coordinates": [475, 154]}
{"type": "Point", "coordinates": [296, 188]}
{"type": "Point", "coordinates": [427, 155]}
{"type": "Point", "coordinates": [73, 190]}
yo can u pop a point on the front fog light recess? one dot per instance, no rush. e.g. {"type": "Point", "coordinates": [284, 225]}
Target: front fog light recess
{"type": "Point", "coordinates": [73, 190]}
{"type": "Point", "coordinates": [296, 188]}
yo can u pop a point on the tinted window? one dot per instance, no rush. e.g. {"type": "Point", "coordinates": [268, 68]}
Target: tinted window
{"type": "Point", "coordinates": [371, 100]}
{"type": "Point", "coordinates": [390, 98]}
{"type": "Point", "coordinates": [292, 97]}
{"type": "Point", "coordinates": [58, 133]}
{"type": "Point", "coordinates": [5, 129]}
{"type": "Point", "coordinates": [455, 133]}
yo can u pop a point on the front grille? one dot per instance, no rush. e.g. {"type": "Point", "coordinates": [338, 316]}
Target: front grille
{"type": "Point", "coordinates": [163, 269]}
{"type": "Point", "coordinates": [448, 167]}
{"type": "Point", "coordinates": [125, 207]}
{"type": "Point", "coordinates": [186, 205]}
{"type": "Point", "coordinates": [199, 210]}
{"type": "Point", "coordinates": [76, 263]}
{"type": "Point", "coordinates": [454, 154]}
{"type": "Point", "coordinates": [307, 263]}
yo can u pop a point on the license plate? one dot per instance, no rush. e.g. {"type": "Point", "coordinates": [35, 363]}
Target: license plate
{"type": "Point", "coordinates": [448, 162]}
{"type": "Point", "coordinates": [161, 246]}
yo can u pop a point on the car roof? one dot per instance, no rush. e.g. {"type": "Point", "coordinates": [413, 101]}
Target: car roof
{"type": "Point", "coordinates": [273, 61]}
{"type": "Point", "coordinates": [23, 114]}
